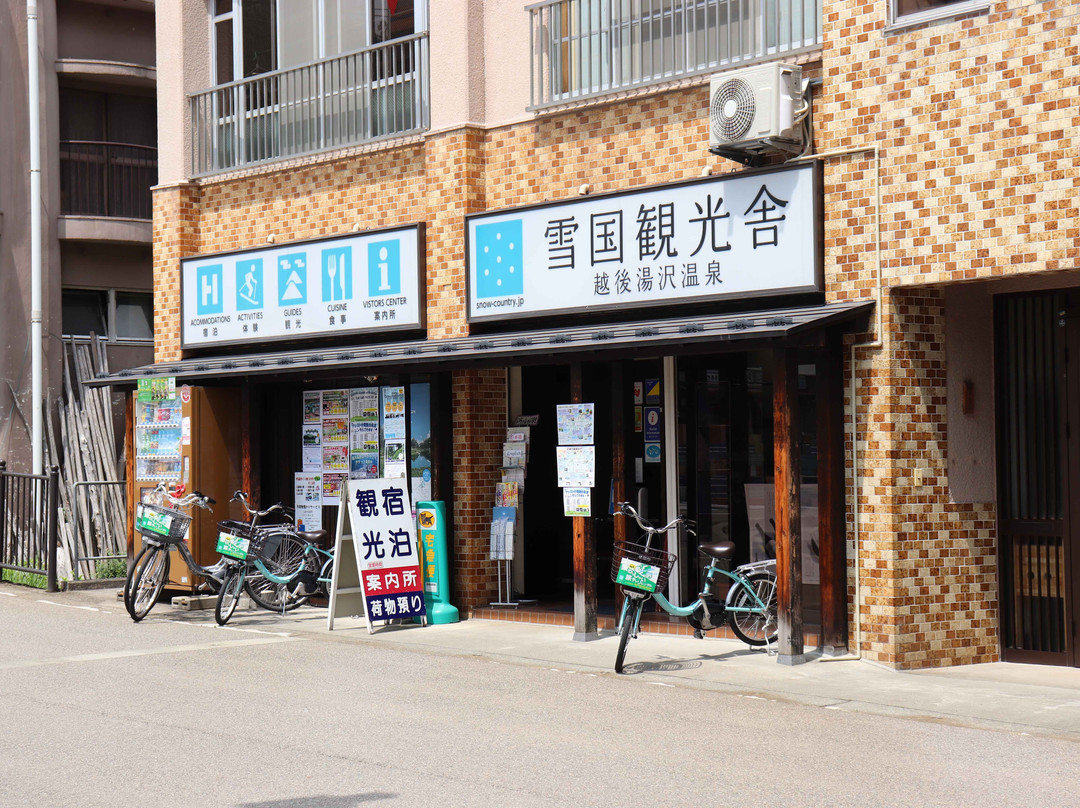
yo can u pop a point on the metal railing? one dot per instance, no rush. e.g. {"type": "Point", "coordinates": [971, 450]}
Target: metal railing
{"type": "Point", "coordinates": [107, 179]}
{"type": "Point", "coordinates": [588, 48]}
{"type": "Point", "coordinates": [28, 526]}
{"type": "Point", "coordinates": [370, 94]}
{"type": "Point", "coordinates": [96, 525]}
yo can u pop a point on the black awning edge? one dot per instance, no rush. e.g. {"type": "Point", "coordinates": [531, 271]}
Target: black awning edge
{"type": "Point", "coordinates": [767, 324]}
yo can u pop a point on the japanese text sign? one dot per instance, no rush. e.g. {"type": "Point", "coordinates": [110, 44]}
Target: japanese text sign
{"type": "Point", "coordinates": [387, 556]}
{"type": "Point", "coordinates": [366, 282]}
{"type": "Point", "coordinates": [748, 234]}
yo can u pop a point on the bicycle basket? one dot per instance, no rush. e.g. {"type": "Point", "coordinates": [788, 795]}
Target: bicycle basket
{"type": "Point", "coordinates": [265, 544]}
{"type": "Point", "coordinates": [636, 566]}
{"type": "Point", "coordinates": [234, 539]}
{"type": "Point", "coordinates": [155, 522]}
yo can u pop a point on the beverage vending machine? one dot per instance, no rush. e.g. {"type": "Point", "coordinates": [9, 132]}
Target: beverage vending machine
{"type": "Point", "coordinates": [193, 439]}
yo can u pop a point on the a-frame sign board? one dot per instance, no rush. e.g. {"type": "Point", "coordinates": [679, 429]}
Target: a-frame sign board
{"type": "Point", "coordinates": [376, 557]}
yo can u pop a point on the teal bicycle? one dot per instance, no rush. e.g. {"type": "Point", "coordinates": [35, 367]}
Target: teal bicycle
{"type": "Point", "coordinates": [642, 571]}
{"type": "Point", "coordinates": [276, 564]}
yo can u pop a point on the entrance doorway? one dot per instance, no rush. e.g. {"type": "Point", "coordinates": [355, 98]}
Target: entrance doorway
{"type": "Point", "coordinates": [1038, 461]}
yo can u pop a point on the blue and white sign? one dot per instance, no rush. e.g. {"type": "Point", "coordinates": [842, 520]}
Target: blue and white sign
{"type": "Point", "coordinates": [367, 282]}
{"type": "Point", "coordinates": [748, 234]}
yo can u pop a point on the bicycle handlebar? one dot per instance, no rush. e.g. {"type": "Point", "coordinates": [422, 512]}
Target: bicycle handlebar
{"type": "Point", "coordinates": [179, 500]}
{"type": "Point", "coordinates": [241, 497]}
{"type": "Point", "coordinates": [626, 509]}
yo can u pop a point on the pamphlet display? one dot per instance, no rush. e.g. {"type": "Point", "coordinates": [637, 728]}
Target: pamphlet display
{"type": "Point", "coordinates": [506, 516]}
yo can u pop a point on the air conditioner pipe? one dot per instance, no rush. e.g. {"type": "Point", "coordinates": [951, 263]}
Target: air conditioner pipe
{"type": "Point", "coordinates": [874, 344]}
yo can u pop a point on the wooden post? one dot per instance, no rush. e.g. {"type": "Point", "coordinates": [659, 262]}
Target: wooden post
{"type": "Point", "coordinates": [788, 507]}
{"type": "Point", "coordinates": [584, 550]}
{"type": "Point", "coordinates": [832, 537]}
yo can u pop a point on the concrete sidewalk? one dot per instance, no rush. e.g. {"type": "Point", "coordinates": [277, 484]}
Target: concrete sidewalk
{"type": "Point", "coordinates": [1031, 699]}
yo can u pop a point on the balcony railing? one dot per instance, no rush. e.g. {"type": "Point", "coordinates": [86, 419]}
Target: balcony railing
{"type": "Point", "coordinates": [106, 179]}
{"type": "Point", "coordinates": [370, 94]}
{"type": "Point", "coordinates": [587, 48]}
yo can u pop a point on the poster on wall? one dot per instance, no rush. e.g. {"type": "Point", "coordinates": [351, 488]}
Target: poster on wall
{"type": "Point", "coordinates": [576, 465]}
{"type": "Point", "coordinates": [394, 463]}
{"type": "Point", "coordinates": [331, 489]}
{"type": "Point", "coordinates": [393, 414]}
{"type": "Point", "coordinates": [335, 403]}
{"type": "Point", "coordinates": [307, 501]}
{"type": "Point", "coordinates": [335, 459]}
{"type": "Point", "coordinates": [312, 407]}
{"type": "Point", "coordinates": [577, 502]}
{"type": "Point", "coordinates": [574, 423]}
{"type": "Point", "coordinates": [364, 433]}
{"type": "Point", "coordinates": [311, 446]}
{"type": "Point", "coordinates": [761, 518]}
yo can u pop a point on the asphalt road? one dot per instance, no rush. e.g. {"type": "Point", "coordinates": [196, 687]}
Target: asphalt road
{"type": "Point", "coordinates": [174, 711]}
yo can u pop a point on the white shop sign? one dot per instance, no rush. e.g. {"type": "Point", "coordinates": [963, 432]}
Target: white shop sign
{"type": "Point", "coordinates": [743, 235]}
{"type": "Point", "coordinates": [361, 283]}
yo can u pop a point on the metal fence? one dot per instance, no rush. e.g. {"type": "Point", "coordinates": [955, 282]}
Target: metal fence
{"type": "Point", "coordinates": [107, 179]}
{"type": "Point", "coordinates": [28, 532]}
{"type": "Point", "coordinates": [587, 48]}
{"type": "Point", "coordinates": [366, 95]}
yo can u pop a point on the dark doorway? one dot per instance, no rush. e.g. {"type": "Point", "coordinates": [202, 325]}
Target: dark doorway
{"type": "Point", "coordinates": [1038, 460]}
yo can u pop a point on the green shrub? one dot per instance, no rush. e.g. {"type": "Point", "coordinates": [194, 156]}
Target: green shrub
{"type": "Point", "coordinates": [111, 568]}
{"type": "Point", "coordinates": [24, 578]}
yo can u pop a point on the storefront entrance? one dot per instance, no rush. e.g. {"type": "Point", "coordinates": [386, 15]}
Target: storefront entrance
{"type": "Point", "coordinates": [1038, 338]}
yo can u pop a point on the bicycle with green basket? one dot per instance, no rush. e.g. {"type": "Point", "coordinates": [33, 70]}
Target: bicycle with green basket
{"type": "Point", "coordinates": [270, 562]}
{"type": "Point", "coordinates": [642, 571]}
{"type": "Point", "coordinates": [163, 520]}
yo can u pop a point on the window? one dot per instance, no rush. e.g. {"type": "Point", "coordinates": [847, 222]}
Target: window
{"type": "Point", "coordinates": [912, 12]}
{"type": "Point", "coordinates": [252, 37]}
{"type": "Point", "coordinates": [111, 314]}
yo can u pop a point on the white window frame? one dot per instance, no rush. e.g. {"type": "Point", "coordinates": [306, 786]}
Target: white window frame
{"type": "Point", "coordinates": [899, 22]}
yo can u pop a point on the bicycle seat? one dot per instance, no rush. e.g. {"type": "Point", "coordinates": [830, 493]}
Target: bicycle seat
{"type": "Point", "coordinates": [722, 550]}
{"type": "Point", "coordinates": [315, 536]}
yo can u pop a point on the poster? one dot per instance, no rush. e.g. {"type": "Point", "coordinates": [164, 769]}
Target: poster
{"type": "Point", "coordinates": [307, 501]}
{"type": "Point", "coordinates": [576, 466]}
{"type": "Point", "coordinates": [335, 402]}
{"type": "Point", "coordinates": [652, 424]}
{"type": "Point", "coordinates": [364, 433]}
{"type": "Point", "coordinates": [577, 502]}
{"type": "Point", "coordinates": [503, 522]}
{"type": "Point", "coordinates": [506, 495]}
{"type": "Point", "coordinates": [312, 406]}
{"type": "Point", "coordinates": [363, 465]}
{"type": "Point", "coordinates": [335, 458]}
{"type": "Point", "coordinates": [331, 489]}
{"type": "Point", "coordinates": [335, 430]}
{"type": "Point", "coordinates": [761, 517]}
{"type": "Point", "coordinates": [387, 555]}
{"type": "Point", "coordinates": [394, 463]}
{"type": "Point", "coordinates": [575, 424]}
{"type": "Point", "coordinates": [393, 414]}
{"type": "Point", "coordinates": [311, 444]}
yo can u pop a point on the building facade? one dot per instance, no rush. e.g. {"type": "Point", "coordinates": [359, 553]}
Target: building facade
{"type": "Point", "coordinates": [922, 404]}
{"type": "Point", "coordinates": [98, 129]}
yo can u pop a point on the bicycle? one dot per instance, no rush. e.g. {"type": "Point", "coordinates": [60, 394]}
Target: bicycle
{"type": "Point", "coordinates": [260, 559]}
{"type": "Point", "coordinates": [642, 570]}
{"type": "Point", "coordinates": [163, 528]}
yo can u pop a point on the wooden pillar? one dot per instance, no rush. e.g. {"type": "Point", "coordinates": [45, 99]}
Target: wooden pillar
{"type": "Point", "coordinates": [788, 507]}
{"type": "Point", "coordinates": [832, 538]}
{"type": "Point", "coordinates": [584, 550]}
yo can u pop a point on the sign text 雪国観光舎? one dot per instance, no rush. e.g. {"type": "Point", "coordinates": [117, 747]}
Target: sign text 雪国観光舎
{"type": "Point", "coordinates": [748, 234]}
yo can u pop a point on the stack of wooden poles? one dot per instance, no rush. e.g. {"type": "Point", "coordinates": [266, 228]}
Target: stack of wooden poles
{"type": "Point", "coordinates": [87, 451]}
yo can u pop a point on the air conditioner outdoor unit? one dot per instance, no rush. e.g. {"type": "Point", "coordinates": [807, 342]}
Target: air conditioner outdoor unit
{"type": "Point", "coordinates": [756, 109]}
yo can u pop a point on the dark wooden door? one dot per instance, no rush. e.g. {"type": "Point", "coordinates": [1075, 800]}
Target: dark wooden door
{"type": "Point", "coordinates": [1038, 423]}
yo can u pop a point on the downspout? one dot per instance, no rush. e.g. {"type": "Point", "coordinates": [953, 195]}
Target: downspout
{"type": "Point", "coordinates": [874, 344]}
{"type": "Point", "coordinates": [34, 106]}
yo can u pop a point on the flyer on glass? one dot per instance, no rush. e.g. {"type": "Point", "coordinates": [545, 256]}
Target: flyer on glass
{"type": "Point", "coordinates": [576, 465]}
{"type": "Point", "coordinates": [575, 424]}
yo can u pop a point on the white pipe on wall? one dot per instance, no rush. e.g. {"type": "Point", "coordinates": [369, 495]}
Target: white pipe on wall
{"type": "Point", "coordinates": [36, 362]}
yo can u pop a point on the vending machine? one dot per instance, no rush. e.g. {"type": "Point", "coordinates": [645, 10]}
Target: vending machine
{"type": "Point", "coordinates": [191, 437]}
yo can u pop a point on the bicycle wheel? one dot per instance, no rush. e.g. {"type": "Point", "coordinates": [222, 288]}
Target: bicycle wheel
{"type": "Point", "coordinates": [148, 582]}
{"type": "Point", "coordinates": [631, 610]}
{"type": "Point", "coordinates": [326, 577]}
{"type": "Point", "coordinates": [229, 595]}
{"type": "Point", "coordinates": [754, 628]}
{"type": "Point", "coordinates": [286, 562]}
{"type": "Point", "coordinates": [129, 579]}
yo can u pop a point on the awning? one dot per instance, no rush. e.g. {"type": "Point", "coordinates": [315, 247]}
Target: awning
{"type": "Point", "coordinates": [719, 332]}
